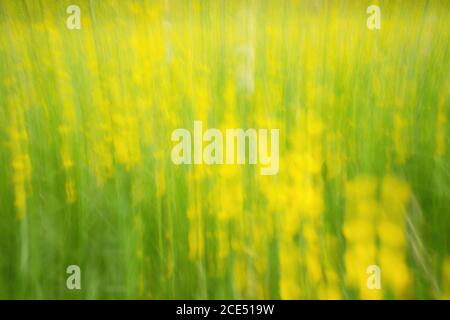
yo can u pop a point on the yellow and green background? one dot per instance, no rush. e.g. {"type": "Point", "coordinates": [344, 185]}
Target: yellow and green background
{"type": "Point", "coordinates": [86, 176]}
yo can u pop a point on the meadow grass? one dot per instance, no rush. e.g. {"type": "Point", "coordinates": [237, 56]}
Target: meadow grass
{"type": "Point", "coordinates": [86, 176]}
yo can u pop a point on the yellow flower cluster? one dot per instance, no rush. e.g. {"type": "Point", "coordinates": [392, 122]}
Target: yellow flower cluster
{"type": "Point", "coordinates": [375, 234]}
